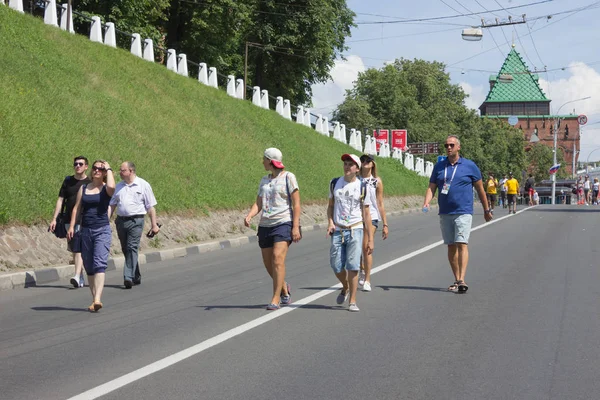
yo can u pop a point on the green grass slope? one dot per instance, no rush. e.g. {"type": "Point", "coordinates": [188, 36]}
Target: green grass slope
{"type": "Point", "coordinates": [62, 95]}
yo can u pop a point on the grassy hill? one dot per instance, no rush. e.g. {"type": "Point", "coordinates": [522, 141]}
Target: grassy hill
{"type": "Point", "coordinates": [62, 96]}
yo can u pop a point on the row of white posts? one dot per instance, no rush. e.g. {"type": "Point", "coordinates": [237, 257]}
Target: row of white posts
{"type": "Point", "coordinates": [235, 87]}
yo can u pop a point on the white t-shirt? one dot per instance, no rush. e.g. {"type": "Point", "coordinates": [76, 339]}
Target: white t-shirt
{"type": "Point", "coordinates": [276, 206]}
{"type": "Point", "coordinates": [596, 185]}
{"type": "Point", "coordinates": [347, 210]}
{"type": "Point", "coordinates": [586, 185]}
{"type": "Point", "coordinates": [372, 195]}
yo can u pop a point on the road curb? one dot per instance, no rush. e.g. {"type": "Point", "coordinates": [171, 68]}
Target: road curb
{"type": "Point", "coordinates": [24, 279]}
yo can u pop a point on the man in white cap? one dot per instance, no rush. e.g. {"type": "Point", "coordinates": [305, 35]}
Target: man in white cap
{"type": "Point", "coordinates": [347, 211]}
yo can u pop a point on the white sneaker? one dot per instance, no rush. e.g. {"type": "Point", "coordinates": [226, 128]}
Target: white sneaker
{"type": "Point", "coordinates": [353, 307]}
{"type": "Point", "coordinates": [75, 281]}
{"type": "Point", "coordinates": [366, 287]}
{"type": "Point", "coordinates": [81, 281]}
{"type": "Point", "coordinates": [361, 278]}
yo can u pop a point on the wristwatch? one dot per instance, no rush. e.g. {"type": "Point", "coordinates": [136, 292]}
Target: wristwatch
{"type": "Point", "coordinates": [487, 211]}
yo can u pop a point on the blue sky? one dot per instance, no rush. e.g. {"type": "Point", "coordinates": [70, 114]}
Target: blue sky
{"type": "Point", "coordinates": [555, 37]}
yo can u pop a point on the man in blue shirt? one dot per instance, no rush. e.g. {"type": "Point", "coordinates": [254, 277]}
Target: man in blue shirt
{"type": "Point", "coordinates": [455, 177]}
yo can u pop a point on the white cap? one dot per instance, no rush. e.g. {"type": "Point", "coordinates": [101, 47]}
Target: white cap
{"type": "Point", "coordinates": [352, 157]}
{"type": "Point", "coordinates": [275, 156]}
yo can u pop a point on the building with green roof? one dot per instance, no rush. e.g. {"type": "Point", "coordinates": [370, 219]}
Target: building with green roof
{"type": "Point", "coordinates": [515, 93]}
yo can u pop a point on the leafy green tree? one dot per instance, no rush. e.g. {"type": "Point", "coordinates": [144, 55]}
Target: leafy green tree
{"type": "Point", "coordinates": [540, 159]}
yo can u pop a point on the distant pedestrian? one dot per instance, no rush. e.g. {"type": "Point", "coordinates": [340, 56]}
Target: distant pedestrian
{"type": "Point", "coordinates": [595, 188]}
{"type": "Point", "coordinates": [279, 201]}
{"type": "Point", "coordinates": [374, 184]}
{"type": "Point", "coordinates": [586, 190]}
{"type": "Point", "coordinates": [512, 189]}
{"type": "Point", "coordinates": [67, 197]}
{"type": "Point", "coordinates": [503, 189]}
{"type": "Point", "coordinates": [133, 199]}
{"type": "Point", "coordinates": [455, 178]}
{"type": "Point", "coordinates": [92, 203]}
{"type": "Point", "coordinates": [529, 185]}
{"type": "Point", "coordinates": [349, 217]}
{"type": "Point", "coordinates": [536, 197]}
{"type": "Point", "coordinates": [492, 191]}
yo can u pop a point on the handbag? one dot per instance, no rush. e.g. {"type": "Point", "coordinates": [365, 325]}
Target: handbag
{"type": "Point", "coordinates": [60, 231]}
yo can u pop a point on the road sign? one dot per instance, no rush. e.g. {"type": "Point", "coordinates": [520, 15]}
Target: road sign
{"type": "Point", "coordinates": [399, 138]}
{"type": "Point", "coordinates": [513, 120]}
{"type": "Point", "coordinates": [381, 137]}
{"type": "Point", "coordinates": [582, 119]}
{"type": "Point", "coordinates": [423, 148]}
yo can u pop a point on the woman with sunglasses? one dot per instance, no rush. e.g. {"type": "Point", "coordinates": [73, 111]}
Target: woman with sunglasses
{"type": "Point", "coordinates": [368, 173]}
{"type": "Point", "coordinates": [92, 202]}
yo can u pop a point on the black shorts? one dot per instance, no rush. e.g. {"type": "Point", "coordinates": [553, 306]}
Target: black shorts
{"type": "Point", "coordinates": [512, 198]}
{"type": "Point", "coordinates": [269, 235]}
{"type": "Point", "coordinates": [492, 197]}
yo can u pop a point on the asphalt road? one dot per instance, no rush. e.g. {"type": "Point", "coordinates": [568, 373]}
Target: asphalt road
{"type": "Point", "coordinates": [197, 329]}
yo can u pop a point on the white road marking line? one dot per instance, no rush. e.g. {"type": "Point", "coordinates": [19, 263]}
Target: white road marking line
{"type": "Point", "coordinates": [166, 362]}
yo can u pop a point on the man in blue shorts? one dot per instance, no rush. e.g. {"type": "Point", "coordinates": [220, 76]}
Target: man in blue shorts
{"type": "Point", "coordinates": [455, 177]}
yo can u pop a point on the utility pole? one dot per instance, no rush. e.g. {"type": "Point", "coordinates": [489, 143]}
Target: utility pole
{"type": "Point", "coordinates": [246, 70]}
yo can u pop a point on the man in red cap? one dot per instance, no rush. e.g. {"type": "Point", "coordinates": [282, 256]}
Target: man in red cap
{"type": "Point", "coordinates": [348, 209]}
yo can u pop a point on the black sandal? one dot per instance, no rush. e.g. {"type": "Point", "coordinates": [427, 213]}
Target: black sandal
{"type": "Point", "coordinates": [462, 287]}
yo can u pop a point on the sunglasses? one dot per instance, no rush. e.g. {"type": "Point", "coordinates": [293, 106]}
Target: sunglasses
{"type": "Point", "coordinates": [449, 145]}
{"type": "Point", "coordinates": [78, 164]}
{"type": "Point", "coordinates": [98, 169]}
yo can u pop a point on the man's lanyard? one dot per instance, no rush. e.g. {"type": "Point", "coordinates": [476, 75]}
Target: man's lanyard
{"type": "Point", "coordinates": [454, 172]}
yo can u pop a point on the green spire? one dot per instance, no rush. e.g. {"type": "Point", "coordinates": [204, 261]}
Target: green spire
{"type": "Point", "coordinates": [524, 86]}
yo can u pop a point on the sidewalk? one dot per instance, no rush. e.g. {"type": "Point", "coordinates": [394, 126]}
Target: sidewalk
{"type": "Point", "coordinates": [24, 279]}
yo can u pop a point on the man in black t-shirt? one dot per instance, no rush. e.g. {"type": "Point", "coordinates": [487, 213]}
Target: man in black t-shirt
{"type": "Point", "coordinates": [67, 196]}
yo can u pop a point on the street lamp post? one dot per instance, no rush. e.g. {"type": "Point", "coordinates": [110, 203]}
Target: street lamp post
{"type": "Point", "coordinates": [555, 131]}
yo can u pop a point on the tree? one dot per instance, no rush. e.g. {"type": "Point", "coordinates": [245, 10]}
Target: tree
{"type": "Point", "coordinates": [540, 159]}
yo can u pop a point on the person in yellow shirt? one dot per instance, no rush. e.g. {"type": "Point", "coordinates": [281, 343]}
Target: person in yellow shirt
{"type": "Point", "coordinates": [512, 189]}
{"type": "Point", "coordinates": [491, 191]}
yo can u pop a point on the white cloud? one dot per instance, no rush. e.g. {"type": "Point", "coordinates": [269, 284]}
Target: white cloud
{"type": "Point", "coordinates": [476, 94]}
{"type": "Point", "coordinates": [328, 95]}
{"type": "Point", "coordinates": [584, 81]}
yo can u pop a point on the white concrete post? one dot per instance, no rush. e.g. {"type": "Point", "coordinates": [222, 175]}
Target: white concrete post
{"type": "Point", "coordinates": [110, 37]}
{"type": "Point", "coordinates": [343, 138]}
{"type": "Point", "coordinates": [16, 5]}
{"type": "Point", "coordinates": [256, 96]}
{"type": "Point", "coordinates": [212, 78]}
{"type": "Point", "coordinates": [231, 85]}
{"type": "Point", "coordinates": [148, 52]}
{"type": "Point", "coordinates": [203, 74]}
{"type": "Point", "coordinates": [240, 89]}
{"type": "Point", "coordinates": [182, 66]}
{"type": "Point", "coordinates": [300, 115]}
{"type": "Point", "coordinates": [352, 141]}
{"type": "Point", "coordinates": [420, 166]}
{"type": "Point", "coordinates": [50, 16]}
{"type": "Point", "coordinates": [264, 99]}
{"type": "Point", "coordinates": [279, 105]}
{"type": "Point", "coordinates": [287, 109]}
{"type": "Point", "coordinates": [336, 130]}
{"type": "Point", "coordinates": [409, 162]}
{"type": "Point", "coordinates": [171, 60]}
{"type": "Point", "coordinates": [307, 117]}
{"type": "Point", "coordinates": [326, 126]}
{"type": "Point", "coordinates": [397, 154]}
{"type": "Point", "coordinates": [96, 30]}
{"type": "Point", "coordinates": [136, 45]}
{"type": "Point", "coordinates": [428, 168]}
{"type": "Point", "coordinates": [63, 18]}
{"type": "Point", "coordinates": [319, 124]}
{"type": "Point", "coordinates": [359, 145]}
{"type": "Point", "coordinates": [386, 151]}
{"type": "Point", "coordinates": [368, 144]}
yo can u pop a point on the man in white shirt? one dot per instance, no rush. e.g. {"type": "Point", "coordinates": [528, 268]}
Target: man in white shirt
{"type": "Point", "coordinates": [349, 219]}
{"type": "Point", "coordinates": [133, 199]}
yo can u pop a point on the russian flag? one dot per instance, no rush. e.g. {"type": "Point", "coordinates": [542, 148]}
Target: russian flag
{"type": "Point", "coordinates": [554, 168]}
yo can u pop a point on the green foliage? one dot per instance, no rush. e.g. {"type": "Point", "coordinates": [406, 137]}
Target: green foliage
{"type": "Point", "coordinates": [417, 95]}
{"type": "Point", "coordinates": [540, 159]}
{"type": "Point", "coordinates": [201, 150]}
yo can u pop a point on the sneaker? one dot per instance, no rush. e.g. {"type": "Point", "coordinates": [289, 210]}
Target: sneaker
{"type": "Point", "coordinates": [366, 287]}
{"type": "Point", "coordinates": [361, 278]}
{"type": "Point", "coordinates": [285, 300]}
{"type": "Point", "coordinates": [353, 307]}
{"type": "Point", "coordinates": [81, 281]}
{"type": "Point", "coordinates": [75, 282]}
{"type": "Point", "coordinates": [127, 283]}
{"type": "Point", "coordinates": [273, 307]}
{"type": "Point", "coordinates": [342, 297]}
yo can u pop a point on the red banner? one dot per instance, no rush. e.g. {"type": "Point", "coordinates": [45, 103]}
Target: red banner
{"type": "Point", "coordinates": [399, 139]}
{"type": "Point", "coordinates": [381, 137]}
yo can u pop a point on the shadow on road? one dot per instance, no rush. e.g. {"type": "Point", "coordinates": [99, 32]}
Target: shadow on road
{"type": "Point", "coordinates": [54, 308]}
{"type": "Point", "coordinates": [429, 289]}
{"type": "Point", "coordinates": [263, 306]}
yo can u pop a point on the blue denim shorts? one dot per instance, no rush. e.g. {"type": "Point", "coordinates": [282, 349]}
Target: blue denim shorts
{"type": "Point", "coordinates": [269, 235]}
{"type": "Point", "coordinates": [346, 250]}
{"type": "Point", "coordinates": [456, 228]}
{"type": "Point", "coordinates": [95, 248]}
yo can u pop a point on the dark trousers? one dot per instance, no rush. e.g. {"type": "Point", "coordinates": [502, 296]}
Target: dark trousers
{"type": "Point", "coordinates": [130, 232]}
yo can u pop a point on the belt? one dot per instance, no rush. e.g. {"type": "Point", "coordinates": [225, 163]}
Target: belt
{"type": "Point", "coordinates": [346, 228]}
{"type": "Point", "coordinates": [131, 217]}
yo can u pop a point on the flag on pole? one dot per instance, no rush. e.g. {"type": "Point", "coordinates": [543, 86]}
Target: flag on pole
{"type": "Point", "coordinates": [553, 169]}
